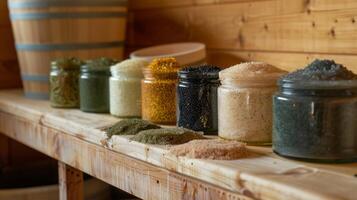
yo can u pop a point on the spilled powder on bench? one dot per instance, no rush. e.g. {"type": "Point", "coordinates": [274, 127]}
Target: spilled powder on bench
{"type": "Point", "coordinates": [216, 149]}
{"type": "Point", "coordinates": [167, 136]}
{"type": "Point", "coordinates": [130, 127]}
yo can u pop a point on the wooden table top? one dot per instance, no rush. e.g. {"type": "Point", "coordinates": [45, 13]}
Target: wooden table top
{"type": "Point", "coordinates": [149, 172]}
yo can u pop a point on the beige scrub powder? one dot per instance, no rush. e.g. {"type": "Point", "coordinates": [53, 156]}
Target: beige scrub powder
{"type": "Point", "coordinates": [214, 149]}
{"type": "Point", "coordinates": [245, 102]}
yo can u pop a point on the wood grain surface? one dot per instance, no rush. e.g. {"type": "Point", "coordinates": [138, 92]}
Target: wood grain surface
{"type": "Point", "coordinates": [70, 182]}
{"type": "Point", "coordinates": [268, 30]}
{"type": "Point", "coordinates": [9, 67]}
{"type": "Point", "coordinates": [149, 172]}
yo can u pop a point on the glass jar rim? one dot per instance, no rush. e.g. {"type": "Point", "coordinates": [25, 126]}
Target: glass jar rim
{"type": "Point", "coordinates": [126, 73]}
{"type": "Point", "coordinates": [318, 85]}
{"type": "Point", "coordinates": [90, 68]}
{"type": "Point", "coordinates": [198, 75]}
{"type": "Point", "coordinates": [249, 82]}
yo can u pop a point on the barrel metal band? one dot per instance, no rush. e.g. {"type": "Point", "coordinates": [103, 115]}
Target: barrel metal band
{"type": "Point", "coordinates": [61, 15]}
{"type": "Point", "coordinates": [36, 78]}
{"type": "Point", "coordinates": [63, 3]}
{"type": "Point", "coordinates": [68, 47]}
{"type": "Point", "coordinates": [36, 95]}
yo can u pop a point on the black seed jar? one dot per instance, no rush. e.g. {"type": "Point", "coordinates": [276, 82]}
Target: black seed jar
{"type": "Point", "coordinates": [315, 114]}
{"type": "Point", "coordinates": [197, 98]}
{"type": "Point", "coordinates": [94, 85]}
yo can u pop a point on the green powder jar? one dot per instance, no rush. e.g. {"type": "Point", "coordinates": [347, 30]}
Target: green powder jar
{"type": "Point", "coordinates": [94, 85]}
{"type": "Point", "coordinates": [64, 90]}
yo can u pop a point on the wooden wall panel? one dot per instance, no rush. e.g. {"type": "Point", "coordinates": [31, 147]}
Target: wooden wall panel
{"type": "Point", "coordinates": [217, 25]}
{"type": "Point", "coordinates": [12, 153]}
{"type": "Point", "coordinates": [9, 67]}
{"type": "Point", "coordinates": [145, 4]}
{"type": "Point", "coordinates": [284, 60]}
{"type": "Point", "coordinates": [287, 33]}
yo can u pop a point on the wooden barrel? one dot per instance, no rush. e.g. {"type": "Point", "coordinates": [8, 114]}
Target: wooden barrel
{"type": "Point", "coordinates": [48, 29]}
{"type": "Point", "coordinates": [9, 68]}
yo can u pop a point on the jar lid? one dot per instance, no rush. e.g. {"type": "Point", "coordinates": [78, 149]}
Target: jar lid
{"type": "Point", "coordinates": [69, 63]}
{"type": "Point", "coordinates": [130, 67]}
{"type": "Point", "coordinates": [252, 72]}
{"type": "Point", "coordinates": [98, 65]}
{"type": "Point", "coordinates": [320, 74]}
{"type": "Point", "coordinates": [186, 53]}
{"type": "Point", "coordinates": [208, 72]}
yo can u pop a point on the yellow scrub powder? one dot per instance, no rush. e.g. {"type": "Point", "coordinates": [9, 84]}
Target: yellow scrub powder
{"type": "Point", "coordinates": [159, 91]}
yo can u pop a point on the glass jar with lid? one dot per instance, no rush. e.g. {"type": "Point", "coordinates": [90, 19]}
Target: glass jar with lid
{"type": "Point", "coordinates": [245, 102]}
{"type": "Point", "coordinates": [197, 98]}
{"type": "Point", "coordinates": [94, 85]}
{"type": "Point", "coordinates": [64, 88]}
{"type": "Point", "coordinates": [315, 114]}
{"type": "Point", "coordinates": [125, 88]}
{"type": "Point", "coordinates": [159, 91]}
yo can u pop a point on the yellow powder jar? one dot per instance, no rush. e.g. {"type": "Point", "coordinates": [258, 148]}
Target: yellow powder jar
{"type": "Point", "coordinates": [159, 95]}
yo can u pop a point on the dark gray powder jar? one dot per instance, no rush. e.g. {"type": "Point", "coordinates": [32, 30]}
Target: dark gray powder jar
{"type": "Point", "coordinates": [315, 114]}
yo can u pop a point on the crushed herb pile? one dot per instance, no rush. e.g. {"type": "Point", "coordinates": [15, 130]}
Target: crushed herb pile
{"type": "Point", "coordinates": [216, 149]}
{"type": "Point", "coordinates": [322, 70]}
{"type": "Point", "coordinates": [130, 127]}
{"type": "Point", "coordinates": [167, 136]}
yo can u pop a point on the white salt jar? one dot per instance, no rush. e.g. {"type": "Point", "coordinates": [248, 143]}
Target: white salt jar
{"type": "Point", "coordinates": [245, 102]}
{"type": "Point", "coordinates": [125, 88]}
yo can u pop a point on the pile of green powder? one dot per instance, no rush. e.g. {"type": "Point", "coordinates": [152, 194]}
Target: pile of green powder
{"type": "Point", "coordinates": [321, 70]}
{"type": "Point", "coordinates": [146, 132]}
{"type": "Point", "coordinates": [167, 136]}
{"type": "Point", "coordinates": [100, 63]}
{"type": "Point", "coordinates": [130, 127]}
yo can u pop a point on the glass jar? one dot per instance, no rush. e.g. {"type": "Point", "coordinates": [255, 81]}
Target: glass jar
{"type": "Point", "coordinates": [125, 88]}
{"type": "Point", "coordinates": [316, 120]}
{"type": "Point", "coordinates": [159, 96]}
{"type": "Point", "coordinates": [245, 102]}
{"type": "Point", "coordinates": [94, 85]}
{"type": "Point", "coordinates": [64, 88]}
{"type": "Point", "coordinates": [197, 99]}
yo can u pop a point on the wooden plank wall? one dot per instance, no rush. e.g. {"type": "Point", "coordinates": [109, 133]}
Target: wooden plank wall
{"type": "Point", "coordinates": [9, 68]}
{"type": "Point", "coordinates": [286, 33]}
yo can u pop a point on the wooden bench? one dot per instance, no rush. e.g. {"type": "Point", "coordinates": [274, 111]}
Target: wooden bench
{"type": "Point", "coordinates": [77, 141]}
